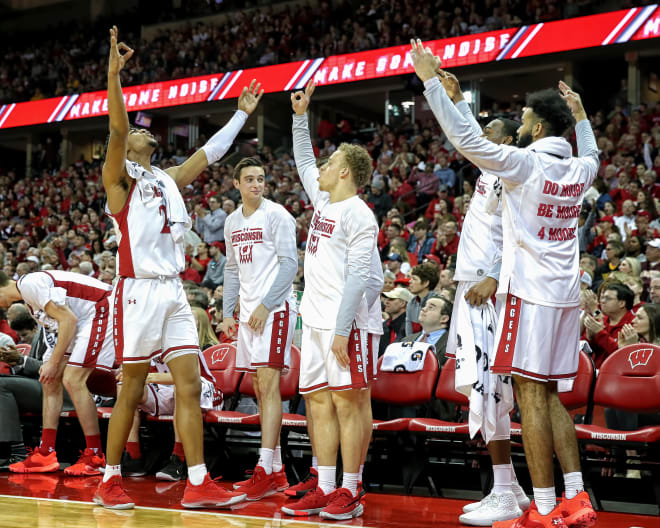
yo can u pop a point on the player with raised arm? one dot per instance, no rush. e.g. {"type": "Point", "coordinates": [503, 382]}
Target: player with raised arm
{"type": "Point", "coordinates": [74, 311]}
{"type": "Point", "coordinates": [262, 261]}
{"type": "Point", "coordinates": [473, 324]}
{"type": "Point", "coordinates": [334, 310]}
{"type": "Point", "coordinates": [543, 185]}
{"type": "Point", "coordinates": [152, 316]}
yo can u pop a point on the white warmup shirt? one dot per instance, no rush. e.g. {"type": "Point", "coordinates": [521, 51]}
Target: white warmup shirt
{"type": "Point", "coordinates": [372, 294]}
{"type": "Point", "coordinates": [151, 225]}
{"type": "Point", "coordinates": [254, 246]}
{"type": "Point", "coordinates": [542, 193]}
{"type": "Point", "coordinates": [340, 244]}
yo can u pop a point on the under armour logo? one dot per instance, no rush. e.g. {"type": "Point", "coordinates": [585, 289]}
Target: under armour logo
{"type": "Point", "coordinates": [640, 358]}
{"type": "Point", "coordinates": [132, 301]}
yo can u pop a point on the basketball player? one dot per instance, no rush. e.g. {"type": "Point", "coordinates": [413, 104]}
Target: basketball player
{"type": "Point", "coordinates": [477, 271]}
{"type": "Point", "coordinates": [152, 316]}
{"type": "Point", "coordinates": [334, 309]}
{"type": "Point", "coordinates": [262, 261]}
{"type": "Point", "coordinates": [543, 186]}
{"type": "Point", "coordinates": [158, 400]}
{"type": "Point", "coordinates": [74, 311]}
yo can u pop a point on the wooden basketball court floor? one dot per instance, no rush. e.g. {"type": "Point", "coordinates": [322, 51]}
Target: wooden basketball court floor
{"type": "Point", "coordinates": [54, 501]}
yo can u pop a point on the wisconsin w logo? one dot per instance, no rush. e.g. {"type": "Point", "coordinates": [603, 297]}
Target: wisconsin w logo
{"type": "Point", "coordinates": [640, 358]}
{"type": "Point", "coordinates": [245, 254]}
{"type": "Point", "coordinates": [218, 356]}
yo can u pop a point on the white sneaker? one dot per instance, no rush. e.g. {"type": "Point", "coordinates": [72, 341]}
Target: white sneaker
{"type": "Point", "coordinates": [521, 498]}
{"type": "Point", "coordinates": [495, 507]}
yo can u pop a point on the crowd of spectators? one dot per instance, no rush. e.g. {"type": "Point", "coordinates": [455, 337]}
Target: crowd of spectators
{"type": "Point", "coordinates": [72, 59]}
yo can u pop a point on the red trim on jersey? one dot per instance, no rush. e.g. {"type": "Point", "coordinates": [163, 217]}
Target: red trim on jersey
{"type": "Point", "coordinates": [372, 357]}
{"type": "Point", "coordinates": [97, 333]}
{"type": "Point", "coordinates": [125, 257]}
{"type": "Point", "coordinates": [506, 348]}
{"type": "Point", "coordinates": [304, 390]}
{"type": "Point", "coordinates": [278, 339]}
{"type": "Point", "coordinates": [181, 347]}
{"type": "Point", "coordinates": [356, 351]}
{"type": "Point", "coordinates": [80, 290]}
{"type": "Point", "coordinates": [118, 321]}
{"type": "Point", "coordinates": [541, 377]}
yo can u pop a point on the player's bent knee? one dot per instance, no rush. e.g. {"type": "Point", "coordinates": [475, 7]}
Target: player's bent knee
{"type": "Point", "coordinates": [189, 392]}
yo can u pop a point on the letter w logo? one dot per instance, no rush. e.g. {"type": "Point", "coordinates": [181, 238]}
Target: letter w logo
{"type": "Point", "coordinates": [218, 356]}
{"type": "Point", "coordinates": [640, 358]}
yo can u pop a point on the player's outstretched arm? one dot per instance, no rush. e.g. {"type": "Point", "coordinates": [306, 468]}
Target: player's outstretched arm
{"type": "Point", "coordinates": [508, 163]}
{"type": "Point", "coordinates": [303, 153]}
{"type": "Point", "coordinates": [115, 177]}
{"type": "Point", "coordinates": [586, 141]}
{"type": "Point", "coordinates": [216, 147]}
{"type": "Point", "coordinates": [453, 88]}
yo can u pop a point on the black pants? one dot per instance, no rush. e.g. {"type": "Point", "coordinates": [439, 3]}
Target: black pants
{"type": "Point", "coordinates": [20, 394]}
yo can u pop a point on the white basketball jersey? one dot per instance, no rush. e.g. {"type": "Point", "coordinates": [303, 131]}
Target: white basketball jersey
{"type": "Point", "coordinates": [335, 230]}
{"type": "Point", "coordinates": [375, 323]}
{"type": "Point", "coordinates": [146, 247]}
{"type": "Point", "coordinates": [254, 243]}
{"type": "Point", "coordinates": [80, 293]}
{"type": "Point", "coordinates": [481, 237]}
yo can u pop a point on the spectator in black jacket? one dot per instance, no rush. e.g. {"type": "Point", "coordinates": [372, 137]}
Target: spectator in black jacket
{"type": "Point", "coordinates": [394, 328]}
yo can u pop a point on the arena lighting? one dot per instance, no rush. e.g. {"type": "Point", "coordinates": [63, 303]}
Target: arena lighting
{"type": "Point", "coordinates": [616, 27]}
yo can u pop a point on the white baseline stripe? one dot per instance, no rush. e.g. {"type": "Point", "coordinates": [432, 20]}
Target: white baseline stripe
{"type": "Point", "coordinates": [59, 105]}
{"type": "Point", "coordinates": [190, 512]}
{"type": "Point", "coordinates": [619, 26]}
{"type": "Point", "coordinates": [529, 37]}
{"type": "Point", "coordinates": [295, 77]}
{"type": "Point", "coordinates": [230, 84]}
{"type": "Point", "coordinates": [6, 114]}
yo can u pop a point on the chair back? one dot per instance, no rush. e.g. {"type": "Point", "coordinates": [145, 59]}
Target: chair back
{"type": "Point", "coordinates": [406, 388]}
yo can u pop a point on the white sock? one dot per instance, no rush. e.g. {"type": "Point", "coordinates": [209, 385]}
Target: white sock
{"type": "Point", "coordinates": [315, 463]}
{"type": "Point", "coordinates": [545, 499]}
{"type": "Point", "coordinates": [327, 478]}
{"type": "Point", "coordinates": [502, 477]}
{"type": "Point", "coordinates": [277, 460]}
{"type": "Point", "coordinates": [266, 459]}
{"type": "Point", "coordinates": [360, 472]}
{"type": "Point", "coordinates": [349, 482]}
{"type": "Point", "coordinates": [111, 471]}
{"type": "Point", "coordinates": [196, 474]}
{"type": "Point", "coordinates": [573, 484]}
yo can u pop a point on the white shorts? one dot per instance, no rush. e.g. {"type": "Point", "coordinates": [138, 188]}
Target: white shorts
{"type": "Point", "coordinates": [270, 349]}
{"type": "Point", "coordinates": [372, 357]}
{"type": "Point", "coordinates": [152, 318]}
{"type": "Point", "coordinates": [160, 399]}
{"type": "Point", "coordinates": [319, 368]}
{"type": "Point", "coordinates": [92, 345]}
{"type": "Point", "coordinates": [537, 342]}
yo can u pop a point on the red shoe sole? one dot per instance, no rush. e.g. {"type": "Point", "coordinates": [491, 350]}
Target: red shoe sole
{"type": "Point", "coordinates": [586, 520]}
{"type": "Point", "coordinates": [85, 473]}
{"type": "Point", "coordinates": [43, 469]}
{"type": "Point", "coordinates": [301, 513]}
{"type": "Point", "coordinates": [214, 503]}
{"type": "Point", "coordinates": [125, 506]}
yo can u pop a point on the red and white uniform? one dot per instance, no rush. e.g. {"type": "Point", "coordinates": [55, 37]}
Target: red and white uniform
{"type": "Point", "coordinates": [254, 245]}
{"type": "Point", "coordinates": [160, 397]}
{"type": "Point", "coordinates": [543, 186]}
{"type": "Point", "coordinates": [341, 240]}
{"type": "Point", "coordinates": [89, 300]}
{"type": "Point", "coordinates": [375, 324]}
{"type": "Point", "coordinates": [151, 312]}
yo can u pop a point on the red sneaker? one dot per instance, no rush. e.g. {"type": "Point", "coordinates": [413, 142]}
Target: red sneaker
{"type": "Point", "coordinates": [37, 463]}
{"type": "Point", "coordinates": [343, 506]}
{"type": "Point", "coordinates": [209, 495]}
{"type": "Point", "coordinates": [312, 503]}
{"type": "Point", "coordinates": [111, 495]}
{"type": "Point", "coordinates": [260, 485]}
{"type": "Point", "coordinates": [310, 482]}
{"type": "Point", "coordinates": [578, 511]}
{"type": "Point", "coordinates": [533, 519]}
{"type": "Point", "coordinates": [280, 479]}
{"type": "Point", "coordinates": [89, 464]}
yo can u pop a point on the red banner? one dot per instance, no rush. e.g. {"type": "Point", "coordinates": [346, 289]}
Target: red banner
{"type": "Point", "coordinates": [538, 39]}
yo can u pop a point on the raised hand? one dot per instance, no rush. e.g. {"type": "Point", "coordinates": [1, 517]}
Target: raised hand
{"type": "Point", "coordinates": [573, 101]}
{"type": "Point", "coordinates": [451, 85]}
{"type": "Point", "coordinates": [425, 63]}
{"type": "Point", "coordinates": [300, 100]}
{"type": "Point", "coordinates": [250, 97]}
{"type": "Point", "coordinates": [119, 53]}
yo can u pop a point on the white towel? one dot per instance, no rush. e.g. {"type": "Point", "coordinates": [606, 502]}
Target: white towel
{"type": "Point", "coordinates": [490, 395]}
{"type": "Point", "coordinates": [406, 357]}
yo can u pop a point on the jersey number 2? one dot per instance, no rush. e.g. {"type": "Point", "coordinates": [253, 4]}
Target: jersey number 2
{"type": "Point", "coordinates": [166, 225]}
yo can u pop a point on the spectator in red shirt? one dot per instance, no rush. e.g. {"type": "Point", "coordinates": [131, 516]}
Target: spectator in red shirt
{"type": "Point", "coordinates": [616, 302]}
{"type": "Point", "coordinates": [403, 191]}
{"type": "Point", "coordinates": [642, 219]}
{"type": "Point", "coordinates": [393, 263]}
{"type": "Point", "coordinates": [447, 241]}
